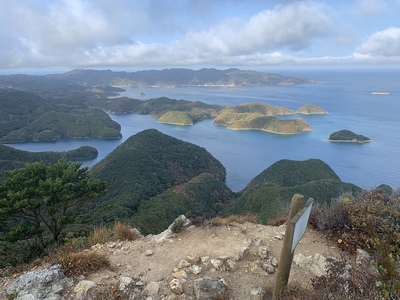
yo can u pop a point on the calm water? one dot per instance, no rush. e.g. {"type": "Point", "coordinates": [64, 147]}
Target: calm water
{"type": "Point", "coordinates": [345, 94]}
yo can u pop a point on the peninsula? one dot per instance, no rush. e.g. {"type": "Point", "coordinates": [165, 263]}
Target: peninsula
{"type": "Point", "coordinates": [347, 136]}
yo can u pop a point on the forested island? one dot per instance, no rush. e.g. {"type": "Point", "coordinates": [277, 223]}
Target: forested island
{"type": "Point", "coordinates": [27, 116]}
{"type": "Point", "coordinates": [260, 116]}
{"type": "Point", "coordinates": [347, 136]}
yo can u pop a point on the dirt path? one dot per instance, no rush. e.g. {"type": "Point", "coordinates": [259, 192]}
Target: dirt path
{"type": "Point", "coordinates": [156, 261]}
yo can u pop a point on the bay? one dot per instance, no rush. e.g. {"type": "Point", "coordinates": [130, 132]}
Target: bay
{"type": "Point", "coordinates": [345, 94]}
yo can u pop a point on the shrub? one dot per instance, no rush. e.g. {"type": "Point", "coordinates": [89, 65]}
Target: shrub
{"type": "Point", "coordinates": [77, 244]}
{"type": "Point", "coordinates": [178, 225]}
{"type": "Point", "coordinates": [278, 221]}
{"type": "Point", "coordinates": [82, 263]}
{"type": "Point", "coordinates": [100, 235]}
{"type": "Point", "coordinates": [333, 217]}
{"type": "Point", "coordinates": [369, 221]}
{"type": "Point", "coordinates": [241, 219]}
{"type": "Point", "coordinates": [124, 232]}
{"type": "Point", "coordinates": [344, 282]}
{"type": "Point", "coordinates": [389, 273]}
{"type": "Point", "coordinates": [364, 221]}
{"type": "Point", "coordinates": [374, 219]}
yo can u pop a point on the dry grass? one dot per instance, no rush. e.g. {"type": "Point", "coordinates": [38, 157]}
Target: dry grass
{"type": "Point", "coordinates": [100, 235]}
{"type": "Point", "coordinates": [124, 232]}
{"type": "Point", "coordinates": [278, 221]}
{"type": "Point", "coordinates": [82, 263]}
{"type": "Point", "coordinates": [241, 219]}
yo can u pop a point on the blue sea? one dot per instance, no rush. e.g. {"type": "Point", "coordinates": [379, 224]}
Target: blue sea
{"type": "Point", "coordinates": [345, 94]}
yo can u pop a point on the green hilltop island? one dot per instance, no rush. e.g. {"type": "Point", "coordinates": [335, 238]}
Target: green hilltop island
{"type": "Point", "coordinates": [347, 136]}
{"type": "Point", "coordinates": [248, 116]}
{"type": "Point", "coordinates": [262, 116]}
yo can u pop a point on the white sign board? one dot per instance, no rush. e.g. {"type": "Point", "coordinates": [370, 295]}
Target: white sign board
{"type": "Point", "coordinates": [300, 223]}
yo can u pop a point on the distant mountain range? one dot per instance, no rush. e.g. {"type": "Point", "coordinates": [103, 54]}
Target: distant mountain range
{"type": "Point", "coordinates": [160, 78]}
{"type": "Point", "coordinates": [181, 77]}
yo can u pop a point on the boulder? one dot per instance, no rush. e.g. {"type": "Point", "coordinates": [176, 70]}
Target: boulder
{"type": "Point", "coordinates": [44, 284]}
{"type": "Point", "coordinates": [209, 289]}
{"type": "Point", "coordinates": [82, 288]}
{"type": "Point", "coordinates": [315, 264]}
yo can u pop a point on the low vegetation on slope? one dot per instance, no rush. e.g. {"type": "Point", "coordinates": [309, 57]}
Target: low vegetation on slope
{"type": "Point", "coordinates": [148, 164]}
{"type": "Point", "coordinates": [201, 197]}
{"type": "Point", "coordinates": [52, 126]}
{"type": "Point", "coordinates": [11, 158]}
{"type": "Point", "coordinates": [18, 109]}
{"type": "Point", "coordinates": [369, 221]}
{"type": "Point", "coordinates": [28, 117]}
{"type": "Point", "coordinates": [288, 173]}
{"type": "Point", "coordinates": [271, 191]}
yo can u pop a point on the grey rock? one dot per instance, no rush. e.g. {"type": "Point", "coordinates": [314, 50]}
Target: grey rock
{"type": "Point", "coordinates": [274, 262]}
{"type": "Point", "coordinates": [124, 282]}
{"type": "Point", "coordinates": [209, 289]}
{"type": "Point", "coordinates": [315, 264]}
{"type": "Point", "coordinates": [40, 284]}
{"type": "Point", "coordinates": [183, 264]}
{"type": "Point", "coordinates": [82, 288]}
{"type": "Point", "coordinates": [231, 265]}
{"type": "Point", "coordinates": [149, 252]}
{"type": "Point", "coordinates": [362, 257]}
{"type": "Point", "coordinates": [243, 253]}
{"type": "Point", "coordinates": [257, 293]}
{"type": "Point", "coordinates": [195, 269]}
{"type": "Point", "coordinates": [256, 269]}
{"type": "Point", "coordinates": [152, 289]}
{"type": "Point", "coordinates": [158, 238]}
{"type": "Point", "coordinates": [216, 263]}
{"type": "Point", "coordinates": [193, 259]}
{"type": "Point", "coordinates": [268, 268]}
{"type": "Point", "coordinates": [263, 252]}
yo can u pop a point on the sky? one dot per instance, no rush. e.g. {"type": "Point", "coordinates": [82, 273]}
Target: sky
{"type": "Point", "coordinates": [156, 34]}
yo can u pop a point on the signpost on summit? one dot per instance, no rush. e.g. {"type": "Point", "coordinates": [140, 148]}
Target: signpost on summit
{"type": "Point", "coordinates": [296, 227]}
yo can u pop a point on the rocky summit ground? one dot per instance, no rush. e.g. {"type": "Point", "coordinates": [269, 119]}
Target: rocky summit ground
{"type": "Point", "coordinates": [243, 258]}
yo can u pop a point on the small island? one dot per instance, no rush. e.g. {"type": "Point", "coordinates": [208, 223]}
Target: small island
{"type": "Point", "coordinates": [260, 116]}
{"type": "Point", "coordinates": [311, 109]}
{"type": "Point", "coordinates": [347, 136]}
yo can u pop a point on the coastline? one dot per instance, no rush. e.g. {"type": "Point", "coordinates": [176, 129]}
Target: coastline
{"type": "Point", "coordinates": [265, 130]}
{"type": "Point", "coordinates": [350, 141]}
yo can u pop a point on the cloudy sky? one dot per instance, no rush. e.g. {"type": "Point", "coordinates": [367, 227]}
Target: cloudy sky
{"type": "Point", "coordinates": [198, 33]}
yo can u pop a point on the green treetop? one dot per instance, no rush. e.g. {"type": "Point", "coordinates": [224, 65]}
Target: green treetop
{"type": "Point", "coordinates": [40, 198]}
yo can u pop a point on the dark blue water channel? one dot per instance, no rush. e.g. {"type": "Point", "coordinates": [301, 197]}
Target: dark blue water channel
{"type": "Point", "coordinates": [345, 94]}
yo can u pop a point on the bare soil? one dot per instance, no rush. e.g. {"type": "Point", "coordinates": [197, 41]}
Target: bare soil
{"type": "Point", "coordinates": [132, 259]}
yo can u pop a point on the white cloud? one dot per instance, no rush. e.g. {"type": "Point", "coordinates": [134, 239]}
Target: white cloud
{"type": "Point", "coordinates": [160, 33]}
{"type": "Point", "coordinates": [370, 8]}
{"type": "Point", "coordinates": [385, 43]}
{"type": "Point", "coordinates": [54, 32]}
{"type": "Point", "coordinates": [294, 26]}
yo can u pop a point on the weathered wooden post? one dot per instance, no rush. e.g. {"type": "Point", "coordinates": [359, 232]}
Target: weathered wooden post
{"type": "Point", "coordinates": [295, 228]}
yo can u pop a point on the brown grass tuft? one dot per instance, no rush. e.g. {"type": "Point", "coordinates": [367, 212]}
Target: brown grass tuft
{"type": "Point", "coordinates": [241, 219]}
{"type": "Point", "coordinates": [124, 232]}
{"type": "Point", "coordinates": [82, 263]}
{"type": "Point", "coordinates": [278, 221]}
{"type": "Point", "coordinates": [100, 235]}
